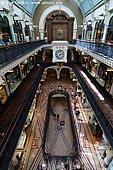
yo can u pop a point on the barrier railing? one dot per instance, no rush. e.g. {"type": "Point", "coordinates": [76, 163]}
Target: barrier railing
{"type": "Point", "coordinates": [104, 49]}
{"type": "Point", "coordinates": [94, 101]}
{"type": "Point", "coordinates": [13, 131]}
{"type": "Point", "coordinates": [12, 52]}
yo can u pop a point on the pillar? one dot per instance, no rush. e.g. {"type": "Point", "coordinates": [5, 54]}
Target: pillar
{"type": "Point", "coordinates": [111, 90]}
{"type": "Point", "coordinates": [20, 70]}
{"type": "Point", "coordinates": [97, 69]}
{"type": "Point", "coordinates": [6, 86]}
{"type": "Point", "coordinates": [93, 31]}
{"type": "Point", "coordinates": [41, 31]}
{"type": "Point", "coordinates": [23, 29]}
{"type": "Point", "coordinates": [108, 158]}
{"type": "Point", "coordinates": [106, 21]}
{"type": "Point", "coordinates": [70, 164]}
{"type": "Point", "coordinates": [32, 32]}
{"type": "Point", "coordinates": [10, 17]}
{"type": "Point", "coordinates": [74, 33]}
{"type": "Point", "coordinates": [58, 73]}
{"type": "Point", "coordinates": [53, 163]}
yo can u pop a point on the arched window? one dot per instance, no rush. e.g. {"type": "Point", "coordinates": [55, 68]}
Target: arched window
{"type": "Point", "coordinates": [89, 32]}
{"type": "Point", "coordinates": [99, 30]}
{"type": "Point", "coordinates": [6, 28]}
{"type": "Point", "coordinates": [83, 34]}
{"type": "Point", "coordinates": [1, 23]}
{"type": "Point", "coordinates": [109, 35]}
{"type": "Point", "coordinates": [18, 31]}
{"type": "Point", "coordinates": [27, 30]}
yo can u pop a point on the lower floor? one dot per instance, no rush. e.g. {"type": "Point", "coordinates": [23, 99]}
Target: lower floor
{"type": "Point", "coordinates": [90, 157]}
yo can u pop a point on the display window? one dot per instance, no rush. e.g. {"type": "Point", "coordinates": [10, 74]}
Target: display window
{"type": "Point", "coordinates": [3, 96]}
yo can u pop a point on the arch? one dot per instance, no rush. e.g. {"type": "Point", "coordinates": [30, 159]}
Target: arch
{"type": "Point", "coordinates": [109, 35]}
{"type": "Point", "coordinates": [54, 8]}
{"type": "Point", "coordinates": [99, 29]}
{"type": "Point", "coordinates": [1, 19]}
{"type": "Point", "coordinates": [6, 21]}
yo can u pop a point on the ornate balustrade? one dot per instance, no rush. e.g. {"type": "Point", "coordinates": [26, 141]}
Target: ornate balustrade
{"type": "Point", "coordinates": [105, 49]}
{"type": "Point", "coordinates": [11, 52]}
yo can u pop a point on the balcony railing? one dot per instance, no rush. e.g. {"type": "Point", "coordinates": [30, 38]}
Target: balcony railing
{"type": "Point", "coordinates": [12, 52]}
{"type": "Point", "coordinates": [103, 49]}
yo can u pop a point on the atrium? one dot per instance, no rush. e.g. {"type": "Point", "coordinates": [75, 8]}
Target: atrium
{"type": "Point", "coordinates": [56, 84]}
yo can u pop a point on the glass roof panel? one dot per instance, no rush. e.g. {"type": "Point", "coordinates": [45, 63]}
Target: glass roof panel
{"type": "Point", "coordinates": [85, 5]}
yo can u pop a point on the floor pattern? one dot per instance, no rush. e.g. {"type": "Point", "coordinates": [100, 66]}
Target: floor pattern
{"type": "Point", "coordinates": [89, 155]}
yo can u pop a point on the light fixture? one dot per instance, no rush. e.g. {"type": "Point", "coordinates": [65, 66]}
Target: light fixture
{"type": "Point", "coordinates": [80, 26]}
{"type": "Point", "coordinates": [2, 10]}
{"type": "Point", "coordinates": [82, 53]}
{"type": "Point", "coordinates": [1, 81]}
{"type": "Point", "coordinates": [89, 23]}
{"type": "Point", "coordinates": [16, 18]}
{"type": "Point", "coordinates": [109, 69]}
{"type": "Point", "coordinates": [99, 18]}
{"type": "Point", "coordinates": [10, 71]}
{"type": "Point", "coordinates": [35, 26]}
{"type": "Point", "coordinates": [95, 61]}
{"type": "Point", "coordinates": [29, 23]}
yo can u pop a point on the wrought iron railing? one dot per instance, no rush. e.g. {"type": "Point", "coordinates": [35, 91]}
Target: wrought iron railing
{"type": "Point", "coordinates": [104, 49]}
{"type": "Point", "coordinates": [108, 130]}
{"type": "Point", "coordinates": [10, 139]}
{"type": "Point", "coordinates": [11, 52]}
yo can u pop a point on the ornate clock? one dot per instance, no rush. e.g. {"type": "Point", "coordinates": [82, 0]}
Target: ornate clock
{"type": "Point", "coordinates": [59, 54]}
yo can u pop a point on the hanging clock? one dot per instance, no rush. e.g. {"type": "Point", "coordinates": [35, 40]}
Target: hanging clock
{"type": "Point", "coordinates": [59, 54]}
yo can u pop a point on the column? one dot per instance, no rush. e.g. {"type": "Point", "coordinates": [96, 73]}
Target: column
{"type": "Point", "coordinates": [20, 70]}
{"type": "Point", "coordinates": [93, 27]}
{"type": "Point", "coordinates": [108, 158]}
{"type": "Point", "coordinates": [53, 163]}
{"type": "Point", "coordinates": [97, 69]}
{"type": "Point", "coordinates": [6, 86]}
{"type": "Point", "coordinates": [74, 33]}
{"type": "Point", "coordinates": [41, 31]}
{"type": "Point", "coordinates": [84, 32]}
{"type": "Point", "coordinates": [58, 72]}
{"type": "Point", "coordinates": [70, 163]}
{"type": "Point", "coordinates": [111, 90]}
{"type": "Point", "coordinates": [23, 29]}
{"type": "Point", "coordinates": [106, 25]}
{"type": "Point", "coordinates": [32, 32]}
{"type": "Point", "coordinates": [10, 17]}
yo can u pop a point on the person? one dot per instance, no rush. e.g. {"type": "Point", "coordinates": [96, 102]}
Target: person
{"type": "Point", "coordinates": [57, 117]}
{"type": "Point", "coordinates": [27, 38]}
{"type": "Point", "coordinates": [77, 112]}
{"type": "Point", "coordinates": [4, 39]}
{"type": "Point", "coordinates": [39, 167]}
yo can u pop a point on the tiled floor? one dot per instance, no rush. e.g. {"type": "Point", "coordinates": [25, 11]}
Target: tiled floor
{"type": "Point", "coordinates": [89, 155]}
{"type": "Point", "coordinates": [59, 140]}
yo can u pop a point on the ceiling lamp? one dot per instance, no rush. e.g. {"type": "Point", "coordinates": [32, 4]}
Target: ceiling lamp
{"type": "Point", "coordinates": [99, 18]}
{"type": "Point", "coordinates": [95, 61]}
{"type": "Point", "coordinates": [89, 23]}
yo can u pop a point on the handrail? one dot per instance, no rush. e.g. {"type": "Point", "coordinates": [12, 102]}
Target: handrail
{"type": "Point", "coordinates": [10, 139]}
{"type": "Point", "coordinates": [11, 52]}
{"type": "Point", "coordinates": [104, 49]}
{"type": "Point", "coordinates": [94, 101]}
